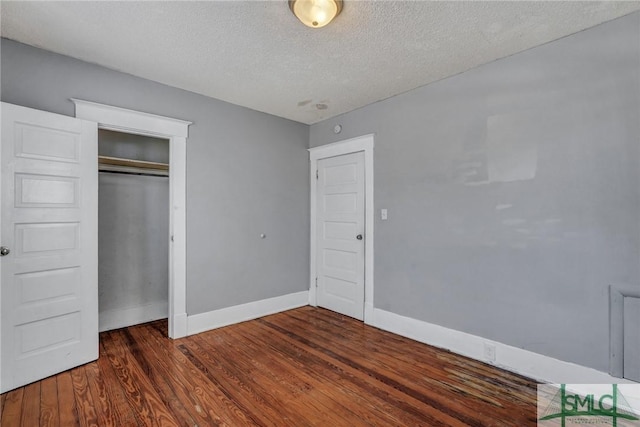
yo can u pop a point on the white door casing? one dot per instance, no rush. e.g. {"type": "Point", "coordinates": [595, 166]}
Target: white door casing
{"type": "Point", "coordinates": [49, 280]}
{"type": "Point", "coordinates": [340, 234]}
{"type": "Point", "coordinates": [176, 131]}
{"type": "Point", "coordinates": [365, 145]}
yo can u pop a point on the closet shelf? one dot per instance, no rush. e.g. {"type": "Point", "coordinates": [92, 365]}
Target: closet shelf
{"type": "Point", "coordinates": [132, 167]}
{"type": "Point", "coordinates": [139, 164]}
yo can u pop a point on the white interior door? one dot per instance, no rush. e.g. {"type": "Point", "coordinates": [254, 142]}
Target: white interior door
{"type": "Point", "coordinates": [340, 234]}
{"type": "Point", "coordinates": [48, 222]}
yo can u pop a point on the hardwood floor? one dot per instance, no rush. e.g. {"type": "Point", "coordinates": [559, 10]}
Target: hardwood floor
{"type": "Point", "coordinates": [303, 367]}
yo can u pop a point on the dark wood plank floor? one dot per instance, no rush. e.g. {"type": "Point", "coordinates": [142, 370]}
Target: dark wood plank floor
{"type": "Point", "coordinates": [304, 367]}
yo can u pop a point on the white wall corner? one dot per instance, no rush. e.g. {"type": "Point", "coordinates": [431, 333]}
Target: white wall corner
{"type": "Point", "coordinates": [533, 365]}
{"type": "Point", "coordinates": [240, 313]}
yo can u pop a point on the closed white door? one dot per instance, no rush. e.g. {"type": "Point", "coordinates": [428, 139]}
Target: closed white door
{"type": "Point", "coordinates": [48, 231]}
{"type": "Point", "coordinates": [340, 239]}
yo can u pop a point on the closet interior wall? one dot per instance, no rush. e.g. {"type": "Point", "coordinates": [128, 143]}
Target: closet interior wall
{"type": "Point", "coordinates": [133, 230]}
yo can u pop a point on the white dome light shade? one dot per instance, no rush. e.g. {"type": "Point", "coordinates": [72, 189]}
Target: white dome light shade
{"type": "Point", "coordinates": [315, 13]}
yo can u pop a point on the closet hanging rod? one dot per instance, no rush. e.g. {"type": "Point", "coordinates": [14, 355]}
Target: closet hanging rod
{"type": "Point", "coordinates": [133, 172]}
{"type": "Point", "coordinates": [139, 164]}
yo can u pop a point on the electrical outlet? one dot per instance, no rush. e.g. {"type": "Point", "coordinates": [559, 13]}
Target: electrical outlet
{"type": "Point", "coordinates": [489, 352]}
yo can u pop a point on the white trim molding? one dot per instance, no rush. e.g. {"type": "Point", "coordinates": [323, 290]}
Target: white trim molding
{"type": "Point", "coordinates": [617, 294]}
{"type": "Point", "coordinates": [123, 317]}
{"type": "Point", "coordinates": [176, 131]}
{"type": "Point", "coordinates": [240, 313]}
{"type": "Point", "coordinates": [130, 121]}
{"type": "Point", "coordinates": [363, 143]}
{"type": "Point", "coordinates": [524, 362]}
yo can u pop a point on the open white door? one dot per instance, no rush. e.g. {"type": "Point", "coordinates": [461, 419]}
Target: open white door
{"type": "Point", "coordinates": [340, 234]}
{"type": "Point", "coordinates": [48, 226]}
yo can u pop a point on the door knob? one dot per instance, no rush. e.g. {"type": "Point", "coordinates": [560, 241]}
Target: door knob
{"type": "Point", "coordinates": [359, 237]}
{"type": "Point", "coordinates": [4, 251]}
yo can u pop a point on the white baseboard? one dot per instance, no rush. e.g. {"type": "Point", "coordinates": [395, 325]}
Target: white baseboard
{"type": "Point", "coordinates": [239, 313]}
{"type": "Point", "coordinates": [524, 362]}
{"type": "Point", "coordinates": [120, 318]}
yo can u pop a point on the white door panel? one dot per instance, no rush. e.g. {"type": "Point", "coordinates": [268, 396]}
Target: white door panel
{"type": "Point", "coordinates": [340, 215]}
{"type": "Point", "coordinates": [48, 282]}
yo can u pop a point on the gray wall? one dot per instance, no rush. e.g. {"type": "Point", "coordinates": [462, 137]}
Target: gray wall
{"type": "Point", "coordinates": [133, 226]}
{"type": "Point", "coordinates": [247, 173]}
{"type": "Point", "coordinates": [513, 193]}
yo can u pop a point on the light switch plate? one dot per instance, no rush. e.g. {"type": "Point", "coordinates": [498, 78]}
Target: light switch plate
{"type": "Point", "coordinates": [383, 214]}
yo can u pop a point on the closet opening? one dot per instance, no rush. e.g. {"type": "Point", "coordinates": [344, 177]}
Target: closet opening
{"type": "Point", "coordinates": [133, 229]}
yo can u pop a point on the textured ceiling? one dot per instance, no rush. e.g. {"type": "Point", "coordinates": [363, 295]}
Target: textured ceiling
{"type": "Point", "coordinates": [256, 53]}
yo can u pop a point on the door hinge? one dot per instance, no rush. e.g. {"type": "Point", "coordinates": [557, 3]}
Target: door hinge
{"type": "Point", "coordinates": [317, 174]}
{"type": "Point", "coordinates": [316, 282]}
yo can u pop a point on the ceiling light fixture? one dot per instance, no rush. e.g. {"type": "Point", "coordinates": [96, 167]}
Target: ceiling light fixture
{"type": "Point", "coordinates": [315, 13]}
